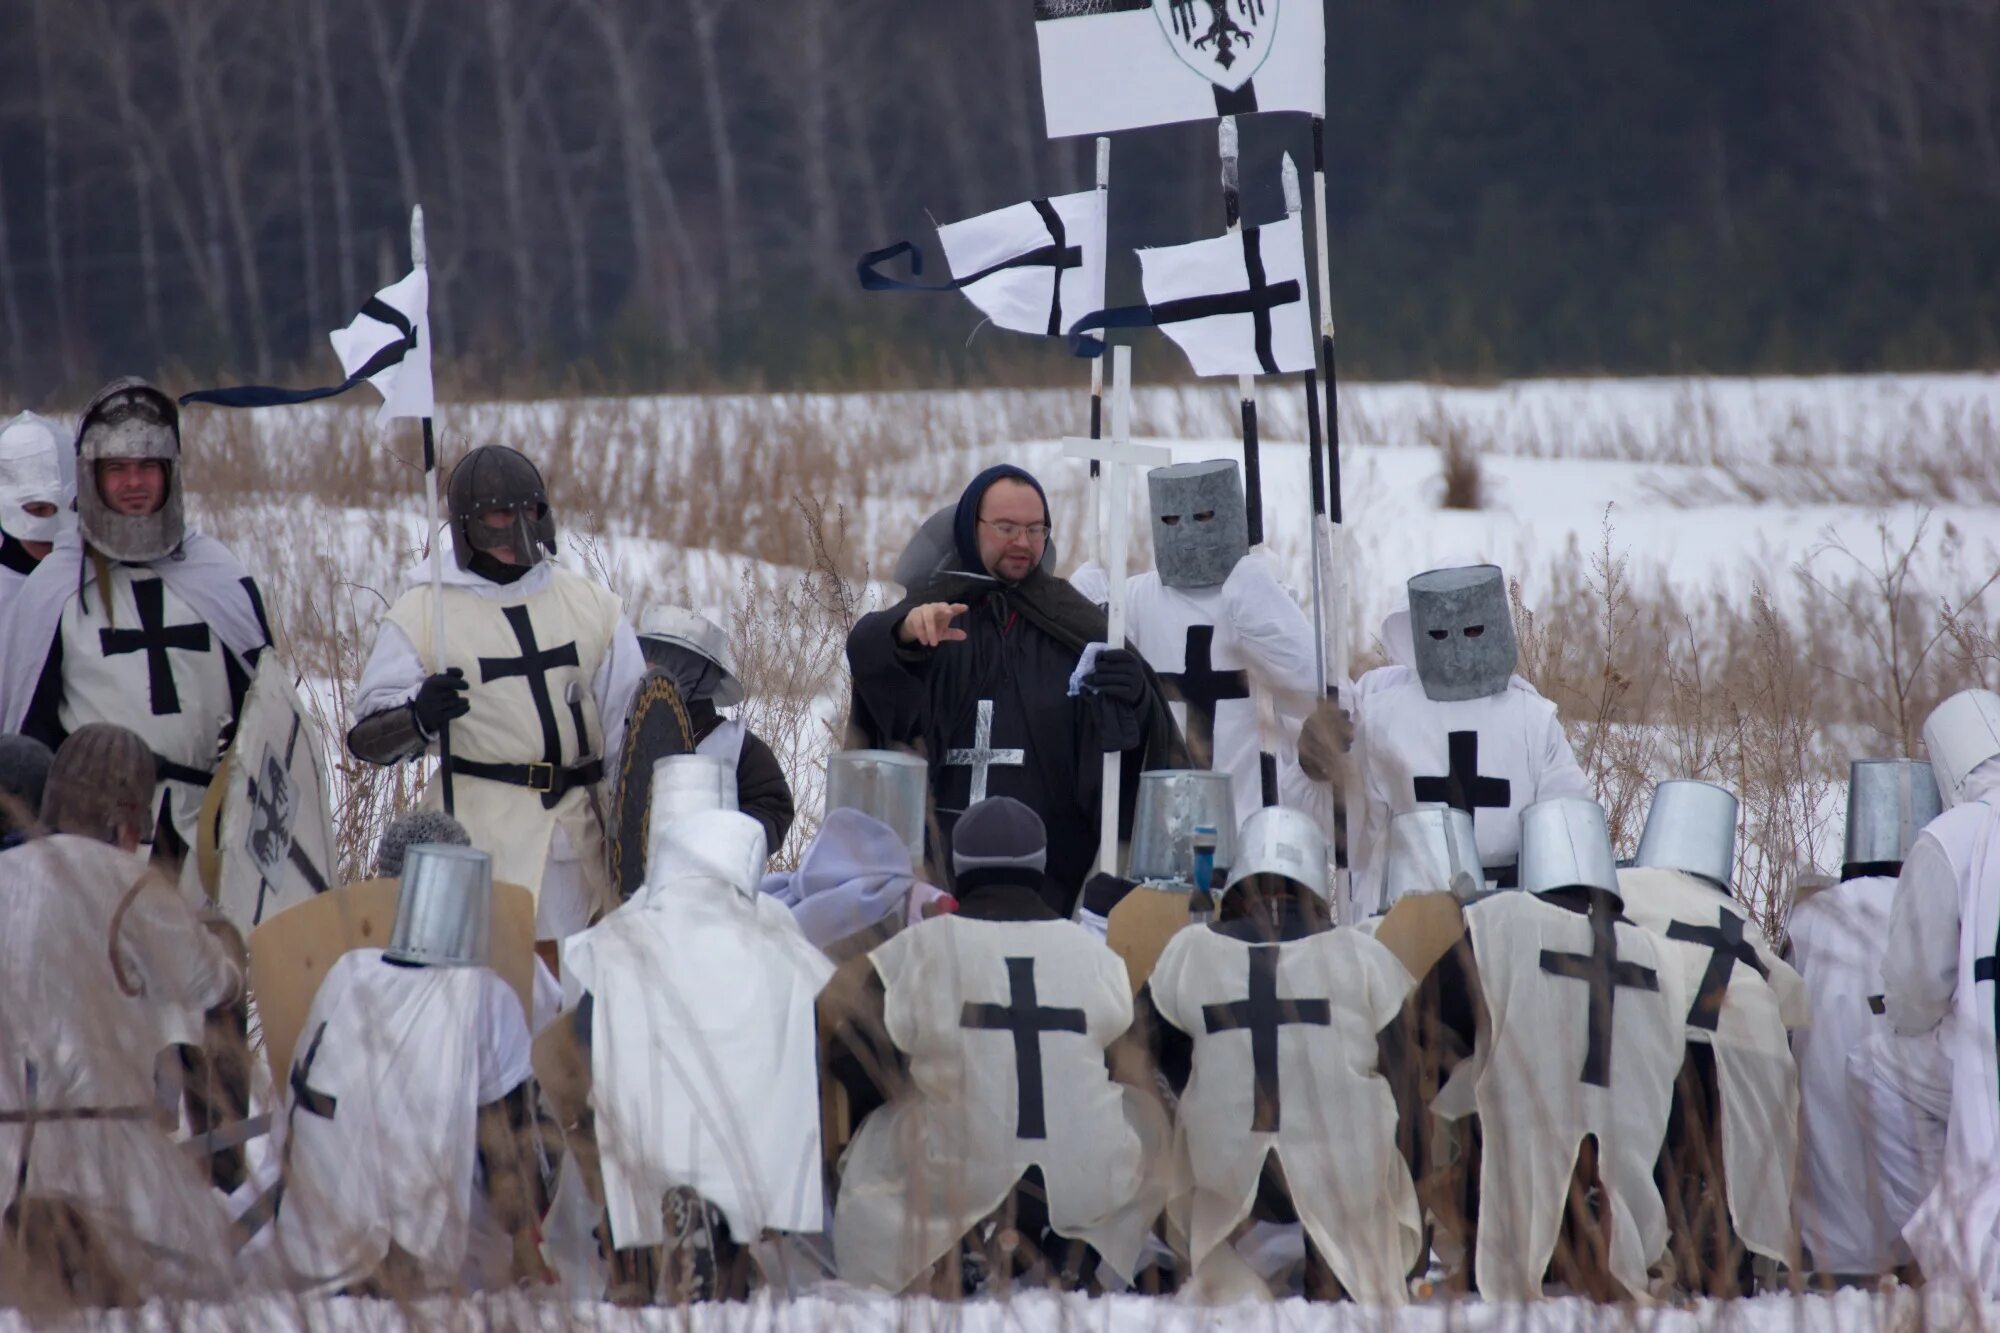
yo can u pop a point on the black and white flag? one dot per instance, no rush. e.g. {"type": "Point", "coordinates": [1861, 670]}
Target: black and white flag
{"type": "Point", "coordinates": [388, 345]}
{"type": "Point", "coordinates": [1111, 65]}
{"type": "Point", "coordinates": [1235, 304]}
{"type": "Point", "coordinates": [1035, 267]}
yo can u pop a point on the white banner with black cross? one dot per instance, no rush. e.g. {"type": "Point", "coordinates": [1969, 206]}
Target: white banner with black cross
{"type": "Point", "coordinates": [1110, 65]}
{"type": "Point", "coordinates": [1034, 267]}
{"type": "Point", "coordinates": [1235, 304]}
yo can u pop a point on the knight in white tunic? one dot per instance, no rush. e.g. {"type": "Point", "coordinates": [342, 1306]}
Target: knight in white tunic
{"type": "Point", "coordinates": [1940, 975]}
{"type": "Point", "coordinates": [1461, 729]}
{"type": "Point", "coordinates": [694, 1000]}
{"type": "Point", "coordinates": [1003, 1015]}
{"type": "Point", "coordinates": [1579, 1035]}
{"type": "Point", "coordinates": [1739, 1076]}
{"type": "Point", "coordinates": [1848, 1214]}
{"type": "Point", "coordinates": [82, 1150]}
{"type": "Point", "coordinates": [37, 491]}
{"type": "Point", "coordinates": [535, 684]}
{"type": "Point", "coordinates": [1273, 1024]}
{"type": "Point", "coordinates": [407, 1099]}
{"type": "Point", "coordinates": [135, 619]}
{"type": "Point", "coordinates": [1225, 636]}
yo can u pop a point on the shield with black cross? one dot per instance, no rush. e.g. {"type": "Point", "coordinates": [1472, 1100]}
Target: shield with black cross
{"type": "Point", "coordinates": [271, 842]}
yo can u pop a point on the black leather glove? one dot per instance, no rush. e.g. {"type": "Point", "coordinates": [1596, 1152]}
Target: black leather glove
{"type": "Point", "coordinates": [440, 699]}
{"type": "Point", "coordinates": [1119, 676]}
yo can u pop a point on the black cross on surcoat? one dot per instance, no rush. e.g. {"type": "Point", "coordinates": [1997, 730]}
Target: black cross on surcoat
{"type": "Point", "coordinates": [154, 638]}
{"type": "Point", "coordinates": [1463, 786]}
{"type": "Point", "coordinates": [1200, 686]}
{"type": "Point", "coordinates": [1727, 948]}
{"type": "Point", "coordinates": [305, 1097]}
{"type": "Point", "coordinates": [1261, 1014]}
{"type": "Point", "coordinates": [534, 665]}
{"type": "Point", "coordinates": [1604, 972]}
{"type": "Point", "coordinates": [1027, 1020]}
{"type": "Point", "coordinates": [1988, 969]}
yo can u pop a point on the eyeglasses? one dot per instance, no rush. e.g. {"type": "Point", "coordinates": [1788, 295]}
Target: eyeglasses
{"type": "Point", "coordinates": [1010, 531]}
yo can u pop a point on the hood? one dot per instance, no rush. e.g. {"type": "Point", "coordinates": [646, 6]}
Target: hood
{"type": "Point", "coordinates": [965, 518]}
{"type": "Point", "coordinates": [850, 846]}
{"type": "Point", "coordinates": [701, 853]}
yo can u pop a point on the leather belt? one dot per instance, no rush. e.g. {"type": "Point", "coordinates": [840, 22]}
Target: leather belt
{"type": "Point", "coordinates": [552, 780]}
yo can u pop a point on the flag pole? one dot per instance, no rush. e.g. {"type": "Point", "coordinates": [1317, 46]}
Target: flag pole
{"type": "Point", "coordinates": [1094, 536]}
{"type": "Point", "coordinates": [420, 258]}
{"type": "Point", "coordinates": [1293, 207]}
{"type": "Point", "coordinates": [1337, 577]}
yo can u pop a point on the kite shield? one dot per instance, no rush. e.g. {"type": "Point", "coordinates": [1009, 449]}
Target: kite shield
{"type": "Point", "coordinates": [656, 728]}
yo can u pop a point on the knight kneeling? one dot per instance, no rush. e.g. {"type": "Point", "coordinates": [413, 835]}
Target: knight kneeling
{"type": "Point", "coordinates": [1005, 1134]}
{"type": "Point", "coordinates": [1734, 1136]}
{"type": "Point", "coordinates": [1272, 1020]}
{"type": "Point", "coordinates": [1577, 1036]}
{"type": "Point", "coordinates": [409, 1104]}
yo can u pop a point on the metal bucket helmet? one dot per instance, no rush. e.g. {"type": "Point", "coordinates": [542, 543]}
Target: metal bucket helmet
{"type": "Point", "coordinates": [1565, 844]}
{"type": "Point", "coordinates": [1201, 524]}
{"type": "Point", "coordinates": [1285, 843]}
{"type": "Point", "coordinates": [444, 908]}
{"type": "Point", "coordinates": [1173, 806]}
{"type": "Point", "coordinates": [496, 479]}
{"type": "Point", "coordinates": [1462, 631]}
{"type": "Point", "coordinates": [1962, 733]}
{"type": "Point", "coordinates": [1431, 850]}
{"type": "Point", "coordinates": [886, 785]}
{"type": "Point", "coordinates": [37, 466]}
{"type": "Point", "coordinates": [129, 418]}
{"type": "Point", "coordinates": [678, 627]}
{"type": "Point", "coordinates": [1888, 803]}
{"type": "Point", "coordinates": [1691, 827]}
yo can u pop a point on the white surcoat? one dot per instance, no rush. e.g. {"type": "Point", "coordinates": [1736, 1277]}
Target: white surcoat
{"type": "Point", "coordinates": [1746, 1022]}
{"type": "Point", "coordinates": [1332, 1123]}
{"type": "Point", "coordinates": [1543, 1076]}
{"type": "Point", "coordinates": [380, 1128]}
{"type": "Point", "coordinates": [989, 1101]}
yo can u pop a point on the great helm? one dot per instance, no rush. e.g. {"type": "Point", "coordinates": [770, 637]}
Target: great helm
{"type": "Point", "coordinates": [129, 418]}
{"type": "Point", "coordinates": [678, 627]}
{"type": "Point", "coordinates": [885, 785]}
{"type": "Point", "coordinates": [37, 467]}
{"type": "Point", "coordinates": [1431, 850]}
{"type": "Point", "coordinates": [1962, 733]}
{"type": "Point", "coordinates": [444, 909]}
{"type": "Point", "coordinates": [495, 479]}
{"type": "Point", "coordinates": [1462, 630]}
{"type": "Point", "coordinates": [683, 785]}
{"type": "Point", "coordinates": [1691, 828]}
{"type": "Point", "coordinates": [1174, 806]}
{"type": "Point", "coordinates": [1564, 845]}
{"type": "Point", "coordinates": [1201, 526]}
{"type": "Point", "coordinates": [1888, 803]}
{"type": "Point", "coordinates": [1282, 842]}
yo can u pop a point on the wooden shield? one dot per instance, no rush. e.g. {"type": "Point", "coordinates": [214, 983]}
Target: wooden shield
{"type": "Point", "coordinates": [655, 729]}
{"type": "Point", "coordinates": [270, 843]}
{"type": "Point", "coordinates": [1141, 924]}
{"type": "Point", "coordinates": [291, 953]}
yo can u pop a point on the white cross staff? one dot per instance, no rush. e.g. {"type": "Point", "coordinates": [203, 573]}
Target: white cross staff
{"type": "Point", "coordinates": [1117, 450]}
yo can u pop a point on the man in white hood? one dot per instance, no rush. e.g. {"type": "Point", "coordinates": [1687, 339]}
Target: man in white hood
{"type": "Point", "coordinates": [694, 1001]}
{"type": "Point", "coordinates": [537, 680]}
{"type": "Point", "coordinates": [37, 492]}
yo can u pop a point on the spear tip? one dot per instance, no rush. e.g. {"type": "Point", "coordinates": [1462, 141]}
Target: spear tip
{"type": "Point", "coordinates": [419, 252]}
{"type": "Point", "coordinates": [1290, 173]}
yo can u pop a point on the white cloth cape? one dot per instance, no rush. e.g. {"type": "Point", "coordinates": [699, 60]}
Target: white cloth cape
{"type": "Point", "coordinates": [1836, 945]}
{"type": "Point", "coordinates": [704, 1057]}
{"type": "Point", "coordinates": [1336, 1131]}
{"type": "Point", "coordinates": [1757, 1080]}
{"type": "Point", "coordinates": [1403, 734]}
{"type": "Point", "coordinates": [409, 1055]}
{"type": "Point", "coordinates": [93, 1044]}
{"type": "Point", "coordinates": [1534, 1109]}
{"type": "Point", "coordinates": [923, 1169]}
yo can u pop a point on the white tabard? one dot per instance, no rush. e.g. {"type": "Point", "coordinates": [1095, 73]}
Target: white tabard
{"type": "Point", "coordinates": [703, 1052]}
{"type": "Point", "coordinates": [1743, 1010]}
{"type": "Point", "coordinates": [552, 663]}
{"type": "Point", "coordinates": [91, 1042]}
{"type": "Point", "coordinates": [1225, 653]}
{"type": "Point", "coordinates": [1543, 1076]}
{"type": "Point", "coordinates": [991, 1100]}
{"type": "Point", "coordinates": [1837, 936]}
{"type": "Point", "coordinates": [381, 1116]}
{"type": "Point", "coordinates": [1956, 1231]}
{"type": "Point", "coordinates": [1506, 751]}
{"type": "Point", "coordinates": [1332, 1122]}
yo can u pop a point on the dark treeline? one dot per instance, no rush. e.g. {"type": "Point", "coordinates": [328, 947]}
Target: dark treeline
{"type": "Point", "coordinates": [649, 193]}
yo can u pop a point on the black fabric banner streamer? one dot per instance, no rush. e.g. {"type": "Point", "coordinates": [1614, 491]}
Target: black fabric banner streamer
{"type": "Point", "coordinates": [262, 395]}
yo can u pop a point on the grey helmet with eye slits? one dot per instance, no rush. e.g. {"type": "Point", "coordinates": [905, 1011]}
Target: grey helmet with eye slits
{"type": "Point", "coordinates": [1201, 525]}
{"type": "Point", "coordinates": [1462, 629]}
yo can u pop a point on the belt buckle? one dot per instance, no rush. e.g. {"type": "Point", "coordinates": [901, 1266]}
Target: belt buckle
{"type": "Point", "coordinates": [541, 777]}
